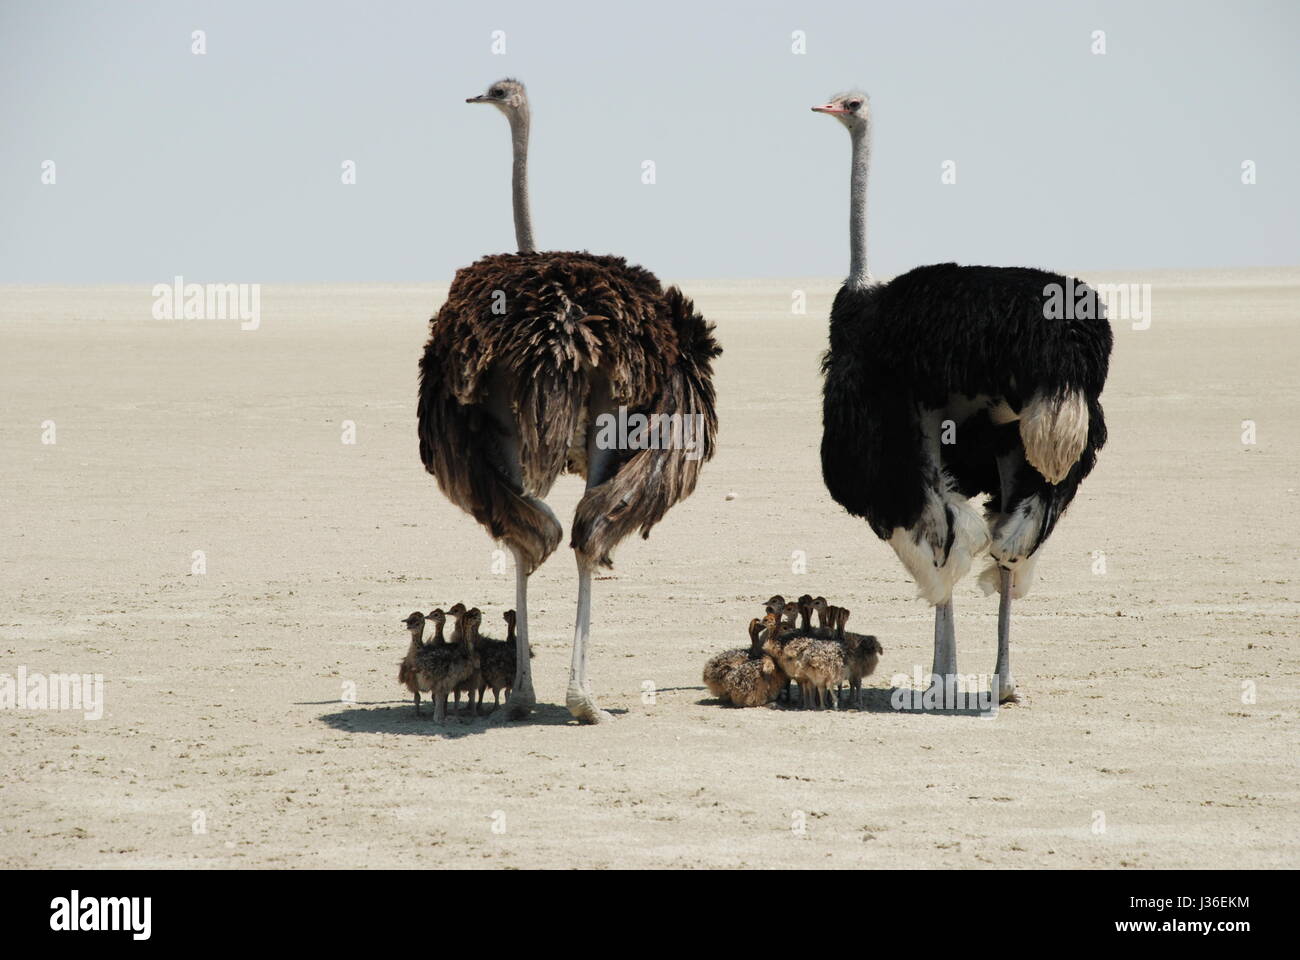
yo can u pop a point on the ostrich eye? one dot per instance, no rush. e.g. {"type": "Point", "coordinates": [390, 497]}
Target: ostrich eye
{"type": "Point", "coordinates": [496, 92]}
{"type": "Point", "coordinates": [854, 104]}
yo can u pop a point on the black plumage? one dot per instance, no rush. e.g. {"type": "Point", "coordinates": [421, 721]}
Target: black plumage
{"type": "Point", "coordinates": [933, 333]}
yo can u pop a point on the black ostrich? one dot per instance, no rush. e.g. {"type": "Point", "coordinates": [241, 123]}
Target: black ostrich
{"type": "Point", "coordinates": [950, 382]}
{"type": "Point", "coordinates": [530, 358]}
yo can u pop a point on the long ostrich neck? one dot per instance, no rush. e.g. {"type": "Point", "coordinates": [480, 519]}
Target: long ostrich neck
{"type": "Point", "coordinates": [858, 273]}
{"type": "Point", "coordinates": [437, 634]}
{"type": "Point", "coordinates": [519, 180]}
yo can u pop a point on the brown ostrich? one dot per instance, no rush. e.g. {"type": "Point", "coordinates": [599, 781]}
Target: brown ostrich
{"type": "Point", "coordinates": [407, 674]}
{"type": "Point", "coordinates": [530, 363]}
{"type": "Point", "coordinates": [757, 680]}
{"type": "Point", "coordinates": [719, 667]}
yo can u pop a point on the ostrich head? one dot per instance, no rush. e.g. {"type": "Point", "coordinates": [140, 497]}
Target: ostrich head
{"type": "Point", "coordinates": [790, 612]}
{"type": "Point", "coordinates": [414, 622]}
{"type": "Point", "coordinates": [509, 97]}
{"type": "Point", "coordinates": [437, 616]}
{"type": "Point", "coordinates": [805, 611]}
{"type": "Point", "coordinates": [509, 618]}
{"type": "Point", "coordinates": [852, 109]}
{"type": "Point", "coordinates": [775, 606]}
{"type": "Point", "coordinates": [473, 618]}
{"type": "Point", "coordinates": [506, 95]}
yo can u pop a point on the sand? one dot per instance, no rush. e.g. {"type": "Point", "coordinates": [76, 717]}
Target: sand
{"type": "Point", "coordinates": [1158, 721]}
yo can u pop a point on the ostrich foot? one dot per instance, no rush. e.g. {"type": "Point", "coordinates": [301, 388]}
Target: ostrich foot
{"type": "Point", "coordinates": [518, 706]}
{"type": "Point", "coordinates": [1004, 689]}
{"type": "Point", "coordinates": [584, 707]}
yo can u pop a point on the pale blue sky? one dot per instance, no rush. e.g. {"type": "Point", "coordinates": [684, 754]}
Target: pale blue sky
{"type": "Point", "coordinates": [225, 167]}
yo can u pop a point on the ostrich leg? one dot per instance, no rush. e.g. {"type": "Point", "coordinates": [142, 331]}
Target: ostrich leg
{"type": "Point", "coordinates": [520, 702]}
{"type": "Point", "coordinates": [579, 699]}
{"type": "Point", "coordinates": [944, 671]}
{"type": "Point", "coordinates": [1004, 684]}
{"type": "Point", "coordinates": [602, 464]}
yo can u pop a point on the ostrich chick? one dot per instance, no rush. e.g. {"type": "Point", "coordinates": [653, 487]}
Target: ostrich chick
{"type": "Point", "coordinates": [758, 680]}
{"type": "Point", "coordinates": [497, 662]}
{"type": "Point", "coordinates": [407, 674]}
{"type": "Point", "coordinates": [720, 666]}
{"type": "Point", "coordinates": [861, 654]}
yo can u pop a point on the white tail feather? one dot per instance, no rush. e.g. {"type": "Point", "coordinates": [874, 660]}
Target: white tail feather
{"type": "Point", "coordinates": [1054, 431]}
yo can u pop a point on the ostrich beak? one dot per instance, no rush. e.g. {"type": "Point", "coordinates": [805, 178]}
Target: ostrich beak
{"type": "Point", "coordinates": [479, 99]}
{"type": "Point", "coordinates": [829, 108]}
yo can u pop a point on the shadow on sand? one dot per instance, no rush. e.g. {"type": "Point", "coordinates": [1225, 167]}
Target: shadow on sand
{"type": "Point", "coordinates": [399, 717]}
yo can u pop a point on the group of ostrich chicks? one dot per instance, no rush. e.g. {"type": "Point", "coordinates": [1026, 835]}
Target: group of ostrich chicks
{"type": "Point", "coordinates": [466, 662]}
{"type": "Point", "coordinates": [819, 659]}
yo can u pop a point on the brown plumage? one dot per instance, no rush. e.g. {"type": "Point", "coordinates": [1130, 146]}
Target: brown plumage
{"type": "Point", "coordinates": [527, 353]}
{"type": "Point", "coordinates": [574, 323]}
{"type": "Point", "coordinates": [719, 667]}
{"type": "Point", "coordinates": [407, 675]}
{"type": "Point", "coordinates": [440, 669]}
{"type": "Point", "coordinates": [757, 679]}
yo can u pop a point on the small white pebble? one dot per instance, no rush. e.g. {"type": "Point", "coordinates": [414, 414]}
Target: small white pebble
{"type": "Point", "coordinates": [731, 496]}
